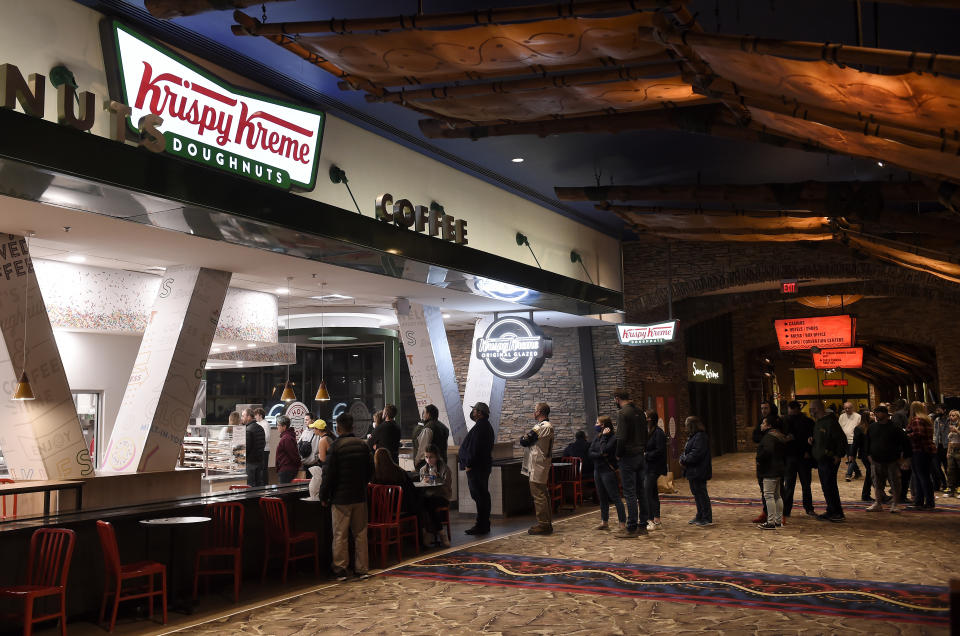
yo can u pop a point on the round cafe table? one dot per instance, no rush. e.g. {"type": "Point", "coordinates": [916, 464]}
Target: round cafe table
{"type": "Point", "coordinates": [173, 525]}
{"type": "Point", "coordinates": [423, 484]}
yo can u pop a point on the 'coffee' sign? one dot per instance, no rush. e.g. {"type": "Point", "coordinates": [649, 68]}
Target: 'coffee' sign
{"type": "Point", "coordinates": [207, 120]}
{"type": "Point", "coordinates": [514, 348]}
{"type": "Point", "coordinates": [704, 371]}
{"type": "Point", "coordinates": [433, 220]}
{"type": "Point", "coordinates": [636, 335]}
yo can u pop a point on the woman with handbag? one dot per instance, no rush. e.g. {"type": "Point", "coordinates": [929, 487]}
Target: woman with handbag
{"type": "Point", "coordinates": [603, 451]}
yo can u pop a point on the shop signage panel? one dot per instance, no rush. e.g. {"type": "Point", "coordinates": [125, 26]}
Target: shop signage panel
{"type": "Point", "coordinates": [704, 371]}
{"type": "Point", "coordinates": [514, 348]}
{"type": "Point", "coordinates": [848, 358]}
{"type": "Point", "coordinates": [209, 121]}
{"type": "Point", "coordinates": [638, 335]}
{"type": "Point", "coordinates": [826, 332]}
{"type": "Point", "coordinates": [835, 382]}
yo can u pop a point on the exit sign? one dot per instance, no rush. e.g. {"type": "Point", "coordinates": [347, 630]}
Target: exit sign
{"type": "Point", "coordinates": [788, 287]}
{"type": "Point", "coordinates": [835, 383]}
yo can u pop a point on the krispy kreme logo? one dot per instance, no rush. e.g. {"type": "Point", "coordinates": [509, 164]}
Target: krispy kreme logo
{"type": "Point", "coordinates": [514, 348]}
{"type": "Point", "coordinates": [207, 120]}
{"type": "Point", "coordinates": [636, 335]}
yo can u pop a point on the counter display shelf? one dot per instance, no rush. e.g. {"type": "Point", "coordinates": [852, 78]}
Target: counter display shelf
{"type": "Point", "coordinates": [218, 450]}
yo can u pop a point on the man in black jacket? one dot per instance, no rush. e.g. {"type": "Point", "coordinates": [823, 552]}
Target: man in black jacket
{"type": "Point", "coordinates": [901, 417]}
{"type": "Point", "coordinates": [387, 433]}
{"type": "Point", "coordinates": [828, 447]}
{"type": "Point", "coordinates": [631, 446]}
{"type": "Point", "coordinates": [886, 445]}
{"type": "Point", "coordinates": [254, 443]}
{"type": "Point", "coordinates": [798, 428]}
{"type": "Point", "coordinates": [346, 473]}
{"type": "Point", "coordinates": [476, 458]}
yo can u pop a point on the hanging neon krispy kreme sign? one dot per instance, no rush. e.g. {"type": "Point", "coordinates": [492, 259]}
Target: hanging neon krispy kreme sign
{"type": "Point", "coordinates": [636, 335]}
{"type": "Point", "coordinates": [211, 122]}
{"type": "Point", "coordinates": [514, 348]}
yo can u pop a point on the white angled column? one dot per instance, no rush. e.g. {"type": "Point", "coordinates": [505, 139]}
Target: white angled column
{"type": "Point", "coordinates": [159, 398]}
{"type": "Point", "coordinates": [41, 438]}
{"type": "Point", "coordinates": [482, 385]}
{"type": "Point", "coordinates": [431, 366]}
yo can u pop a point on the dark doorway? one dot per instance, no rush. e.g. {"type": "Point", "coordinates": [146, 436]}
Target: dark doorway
{"type": "Point", "coordinates": [712, 340]}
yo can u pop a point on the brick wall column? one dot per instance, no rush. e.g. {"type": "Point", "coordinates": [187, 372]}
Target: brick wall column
{"type": "Point", "coordinates": [948, 359]}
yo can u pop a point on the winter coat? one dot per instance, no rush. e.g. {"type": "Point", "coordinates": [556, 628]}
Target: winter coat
{"type": "Point", "coordinates": [631, 431]}
{"type": "Point", "coordinates": [347, 471]}
{"type": "Point", "coordinates": [829, 440]}
{"type": "Point", "coordinates": [255, 442]}
{"type": "Point", "coordinates": [696, 458]}
{"type": "Point", "coordinates": [541, 453]}
{"type": "Point", "coordinates": [772, 454]}
{"type": "Point", "coordinates": [476, 451]}
{"type": "Point", "coordinates": [656, 453]}
{"type": "Point", "coordinates": [603, 452]}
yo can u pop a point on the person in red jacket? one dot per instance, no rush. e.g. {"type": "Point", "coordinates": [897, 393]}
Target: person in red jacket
{"type": "Point", "coordinates": [288, 457]}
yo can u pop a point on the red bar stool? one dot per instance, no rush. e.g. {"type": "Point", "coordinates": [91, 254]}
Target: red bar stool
{"type": "Point", "coordinates": [300, 480]}
{"type": "Point", "coordinates": [386, 520]}
{"type": "Point", "coordinates": [4, 498]}
{"type": "Point", "coordinates": [117, 573]}
{"type": "Point", "coordinates": [224, 538]}
{"type": "Point", "coordinates": [279, 537]}
{"type": "Point", "coordinates": [572, 476]}
{"type": "Point", "coordinates": [47, 568]}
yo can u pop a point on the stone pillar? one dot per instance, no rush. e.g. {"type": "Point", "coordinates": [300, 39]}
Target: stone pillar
{"type": "Point", "coordinates": [482, 385]}
{"type": "Point", "coordinates": [159, 398]}
{"type": "Point", "coordinates": [431, 366]}
{"type": "Point", "coordinates": [41, 438]}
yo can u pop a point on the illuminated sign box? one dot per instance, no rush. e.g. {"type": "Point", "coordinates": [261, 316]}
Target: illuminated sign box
{"type": "Point", "coordinates": [704, 371]}
{"type": "Point", "coordinates": [788, 286]}
{"type": "Point", "coordinates": [835, 383]}
{"type": "Point", "coordinates": [514, 348]}
{"type": "Point", "coordinates": [209, 121]}
{"type": "Point", "coordinates": [849, 358]}
{"type": "Point", "coordinates": [825, 332]}
{"type": "Point", "coordinates": [638, 335]}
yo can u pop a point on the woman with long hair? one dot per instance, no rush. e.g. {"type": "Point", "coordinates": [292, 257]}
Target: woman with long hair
{"type": "Point", "coordinates": [920, 433]}
{"type": "Point", "coordinates": [698, 469]}
{"type": "Point", "coordinates": [388, 473]}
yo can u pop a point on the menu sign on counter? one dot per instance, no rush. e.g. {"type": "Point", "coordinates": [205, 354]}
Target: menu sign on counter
{"type": "Point", "coordinates": [704, 371]}
{"type": "Point", "coordinates": [849, 358]}
{"type": "Point", "coordinates": [637, 335]}
{"type": "Point", "coordinates": [825, 332]}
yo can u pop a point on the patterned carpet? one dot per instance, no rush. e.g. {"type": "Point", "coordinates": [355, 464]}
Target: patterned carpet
{"type": "Point", "coordinates": [918, 604]}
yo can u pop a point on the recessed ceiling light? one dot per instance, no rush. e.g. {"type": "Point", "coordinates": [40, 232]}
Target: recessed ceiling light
{"type": "Point", "coordinates": [282, 290]}
{"type": "Point", "coordinates": [880, 163]}
{"type": "Point", "coordinates": [76, 258]}
{"type": "Point", "coordinates": [232, 347]}
{"type": "Point", "coordinates": [445, 316]}
{"type": "Point", "coordinates": [251, 345]}
{"type": "Point", "coordinates": [331, 297]}
{"type": "Point", "coordinates": [393, 251]}
{"type": "Point", "coordinates": [214, 351]}
{"type": "Point", "coordinates": [517, 160]}
{"type": "Point", "coordinates": [157, 268]}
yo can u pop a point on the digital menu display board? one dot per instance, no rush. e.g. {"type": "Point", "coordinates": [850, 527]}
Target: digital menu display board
{"type": "Point", "coordinates": [848, 358]}
{"type": "Point", "coordinates": [825, 332]}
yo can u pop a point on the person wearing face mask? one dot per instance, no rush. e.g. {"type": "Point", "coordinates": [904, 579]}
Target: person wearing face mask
{"type": "Point", "coordinates": [476, 459]}
{"type": "Point", "coordinates": [436, 472]}
{"type": "Point", "coordinates": [603, 452]}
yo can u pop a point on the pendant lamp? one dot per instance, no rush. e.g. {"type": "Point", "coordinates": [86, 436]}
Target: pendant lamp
{"type": "Point", "coordinates": [24, 391]}
{"type": "Point", "coordinates": [322, 394]}
{"type": "Point", "coordinates": [288, 395]}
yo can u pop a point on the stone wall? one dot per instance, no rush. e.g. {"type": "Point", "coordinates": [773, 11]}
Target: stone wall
{"type": "Point", "coordinates": [557, 383]}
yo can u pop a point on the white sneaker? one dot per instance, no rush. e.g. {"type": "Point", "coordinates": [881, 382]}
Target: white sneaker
{"type": "Point", "coordinates": [651, 526]}
{"type": "Point", "coordinates": [876, 507]}
{"type": "Point", "coordinates": [443, 540]}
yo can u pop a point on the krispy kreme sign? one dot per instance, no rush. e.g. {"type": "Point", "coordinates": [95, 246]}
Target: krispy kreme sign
{"type": "Point", "coordinates": [513, 348]}
{"type": "Point", "coordinates": [206, 120]}
{"type": "Point", "coordinates": [636, 335]}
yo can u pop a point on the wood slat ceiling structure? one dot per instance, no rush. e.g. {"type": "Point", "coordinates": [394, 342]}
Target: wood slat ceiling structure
{"type": "Point", "coordinates": [606, 66]}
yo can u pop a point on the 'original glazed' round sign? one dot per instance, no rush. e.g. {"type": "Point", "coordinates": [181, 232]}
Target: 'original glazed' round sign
{"type": "Point", "coordinates": [514, 348]}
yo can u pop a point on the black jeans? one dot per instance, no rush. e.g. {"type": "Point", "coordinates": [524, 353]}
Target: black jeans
{"type": "Point", "coordinates": [867, 480]}
{"type": "Point", "coordinates": [608, 492]}
{"type": "Point", "coordinates": [264, 469]}
{"type": "Point", "coordinates": [797, 467]}
{"type": "Point", "coordinates": [827, 468]}
{"type": "Point", "coordinates": [253, 474]}
{"type": "Point", "coordinates": [479, 482]}
{"type": "Point", "coordinates": [852, 468]}
{"type": "Point", "coordinates": [698, 488]}
{"type": "Point", "coordinates": [653, 495]}
{"type": "Point", "coordinates": [923, 469]}
{"type": "Point", "coordinates": [940, 468]}
{"type": "Point", "coordinates": [286, 476]}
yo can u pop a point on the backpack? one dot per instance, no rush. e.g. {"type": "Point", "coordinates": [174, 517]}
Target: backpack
{"type": "Point", "coordinates": [305, 447]}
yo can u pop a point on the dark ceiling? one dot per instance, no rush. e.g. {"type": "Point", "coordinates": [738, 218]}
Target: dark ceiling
{"type": "Point", "coordinates": [580, 159]}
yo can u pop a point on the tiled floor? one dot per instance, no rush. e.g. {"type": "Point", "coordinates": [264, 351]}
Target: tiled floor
{"type": "Point", "coordinates": [914, 547]}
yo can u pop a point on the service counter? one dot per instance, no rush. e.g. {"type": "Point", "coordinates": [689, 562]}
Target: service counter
{"type": "Point", "coordinates": [509, 490]}
{"type": "Point", "coordinates": [85, 584]}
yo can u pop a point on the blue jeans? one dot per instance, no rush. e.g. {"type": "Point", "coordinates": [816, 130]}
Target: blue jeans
{"type": "Point", "coordinates": [698, 488]}
{"type": "Point", "coordinates": [652, 495]}
{"type": "Point", "coordinates": [608, 491]}
{"type": "Point", "coordinates": [631, 474]}
{"type": "Point", "coordinates": [923, 469]}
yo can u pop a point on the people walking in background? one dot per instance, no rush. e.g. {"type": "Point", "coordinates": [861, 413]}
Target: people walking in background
{"type": "Point", "coordinates": [920, 433]}
{"type": "Point", "coordinates": [476, 459]}
{"type": "Point", "coordinates": [953, 454]}
{"type": "Point", "coordinates": [886, 445]}
{"type": "Point", "coordinates": [799, 430]}
{"type": "Point", "coordinates": [254, 446]}
{"type": "Point", "coordinates": [631, 445]}
{"type": "Point", "coordinates": [849, 419]}
{"type": "Point", "coordinates": [859, 450]}
{"type": "Point", "coordinates": [767, 408]}
{"type": "Point", "coordinates": [901, 417]}
{"type": "Point", "coordinates": [698, 469]}
{"type": "Point", "coordinates": [538, 463]}
{"type": "Point", "coordinates": [603, 452]}
{"type": "Point", "coordinates": [771, 464]}
{"type": "Point", "coordinates": [348, 471]}
{"type": "Point", "coordinates": [288, 457]}
{"type": "Point", "coordinates": [655, 464]}
{"type": "Point", "coordinates": [829, 447]}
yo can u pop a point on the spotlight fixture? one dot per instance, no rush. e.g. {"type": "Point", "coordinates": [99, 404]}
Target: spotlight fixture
{"type": "Point", "coordinates": [517, 160]}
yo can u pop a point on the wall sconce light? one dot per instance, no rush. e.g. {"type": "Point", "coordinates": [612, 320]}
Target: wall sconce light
{"type": "Point", "coordinates": [576, 258]}
{"type": "Point", "coordinates": [337, 175]}
{"type": "Point", "coordinates": [523, 240]}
